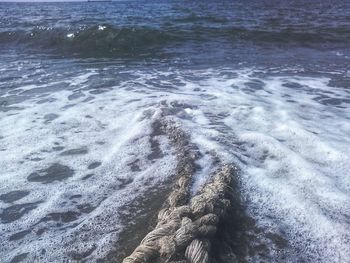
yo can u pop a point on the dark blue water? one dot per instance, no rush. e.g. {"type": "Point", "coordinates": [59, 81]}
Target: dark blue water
{"type": "Point", "coordinates": [272, 33]}
{"type": "Point", "coordinates": [265, 85]}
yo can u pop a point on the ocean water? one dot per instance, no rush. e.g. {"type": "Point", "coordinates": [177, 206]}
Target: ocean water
{"type": "Point", "coordinates": [265, 85]}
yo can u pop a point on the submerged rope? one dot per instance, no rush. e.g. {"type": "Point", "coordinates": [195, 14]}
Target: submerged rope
{"type": "Point", "coordinates": [185, 225]}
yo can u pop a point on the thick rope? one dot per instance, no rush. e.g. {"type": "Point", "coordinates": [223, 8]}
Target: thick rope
{"type": "Point", "coordinates": [185, 226]}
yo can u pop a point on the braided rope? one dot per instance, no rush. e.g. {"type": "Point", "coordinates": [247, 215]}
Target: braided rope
{"type": "Point", "coordinates": [186, 224]}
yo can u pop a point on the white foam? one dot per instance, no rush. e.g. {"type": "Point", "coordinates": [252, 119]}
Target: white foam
{"type": "Point", "coordinates": [291, 144]}
{"type": "Point", "coordinates": [296, 157]}
{"type": "Point", "coordinates": [292, 147]}
{"type": "Point", "coordinates": [108, 119]}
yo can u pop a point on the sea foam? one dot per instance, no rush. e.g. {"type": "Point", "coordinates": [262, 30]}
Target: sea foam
{"type": "Point", "coordinates": [79, 153]}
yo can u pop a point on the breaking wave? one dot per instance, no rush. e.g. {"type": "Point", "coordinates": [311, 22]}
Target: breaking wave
{"type": "Point", "coordinates": [109, 40]}
{"type": "Point", "coordinates": [90, 41]}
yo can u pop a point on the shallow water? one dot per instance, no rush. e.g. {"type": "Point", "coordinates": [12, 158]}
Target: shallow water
{"type": "Point", "coordinates": [265, 87]}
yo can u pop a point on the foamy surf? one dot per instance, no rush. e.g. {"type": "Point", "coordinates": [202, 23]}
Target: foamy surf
{"type": "Point", "coordinates": [78, 161]}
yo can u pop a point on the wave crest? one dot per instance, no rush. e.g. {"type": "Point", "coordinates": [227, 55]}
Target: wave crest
{"type": "Point", "coordinates": [95, 40]}
{"type": "Point", "coordinates": [128, 41]}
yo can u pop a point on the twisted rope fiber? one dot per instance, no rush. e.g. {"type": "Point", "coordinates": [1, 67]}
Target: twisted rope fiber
{"type": "Point", "coordinates": [185, 225]}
